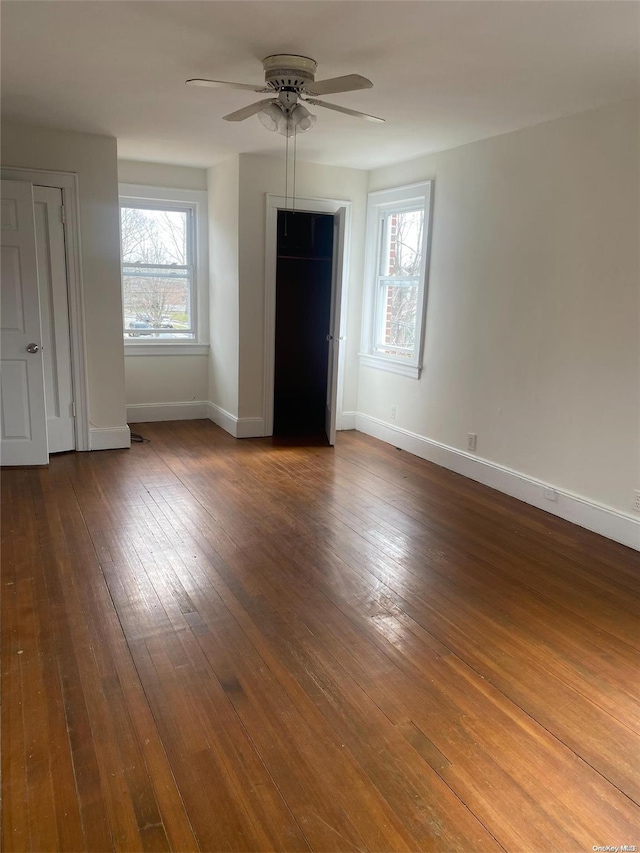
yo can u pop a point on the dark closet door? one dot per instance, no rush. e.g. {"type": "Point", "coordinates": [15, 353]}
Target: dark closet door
{"type": "Point", "coordinates": [303, 304]}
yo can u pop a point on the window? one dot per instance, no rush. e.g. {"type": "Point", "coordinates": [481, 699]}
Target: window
{"type": "Point", "coordinates": [396, 275]}
{"type": "Point", "coordinates": [163, 283]}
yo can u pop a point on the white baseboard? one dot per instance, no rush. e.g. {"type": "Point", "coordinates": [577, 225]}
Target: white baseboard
{"type": "Point", "coordinates": [348, 420]}
{"type": "Point", "coordinates": [152, 412]}
{"type": "Point", "coordinates": [109, 438]}
{"type": "Point", "coordinates": [250, 428]}
{"type": "Point", "coordinates": [195, 409]}
{"type": "Point", "coordinates": [237, 427]}
{"type": "Point", "coordinates": [223, 419]}
{"type": "Point", "coordinates": [592, 516]}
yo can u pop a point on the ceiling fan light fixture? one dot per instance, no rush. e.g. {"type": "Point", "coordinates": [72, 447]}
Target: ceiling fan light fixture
{"type": "Point", "coordinates": [272, 116]}
{"type": "Point", "coordinates": [286, 126]}
{"type": "Point", "coordinates": [302, 118]}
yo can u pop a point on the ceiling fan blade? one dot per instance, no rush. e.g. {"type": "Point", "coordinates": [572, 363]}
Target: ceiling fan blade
{"type": "Point", "coordinates": [348, 83]}
{"type": "Point", "coordinates": [338, 109]}
{"type": "Point", "coordinates": [247, 112]}
{"type": "Point", "coordinates": [223, 84]}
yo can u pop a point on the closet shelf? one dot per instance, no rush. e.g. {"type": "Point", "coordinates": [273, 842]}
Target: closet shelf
{"type": "Point", "coordinates": [301, 258]}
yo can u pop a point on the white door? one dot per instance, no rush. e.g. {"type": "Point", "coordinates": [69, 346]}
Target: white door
{"type": "Point", "coordinates": [339, 219]}
{"type": "Point", "coordinates": [23, 423]}
{"type": "Point", "coordinates": [54, 318]}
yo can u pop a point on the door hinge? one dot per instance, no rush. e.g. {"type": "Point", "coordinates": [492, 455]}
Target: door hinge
{"type": "Point", "coordinates": [62, 216]}
{"type": "Point", "coordinates": [73, 409]}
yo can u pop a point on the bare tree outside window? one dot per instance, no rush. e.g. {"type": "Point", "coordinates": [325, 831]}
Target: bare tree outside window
{"type": "Point", "coordinates": [401, 264]}
{"type": "Point", "coordinates": [405, 243]}
{"type": "Point", "coordinates": [157, 273]}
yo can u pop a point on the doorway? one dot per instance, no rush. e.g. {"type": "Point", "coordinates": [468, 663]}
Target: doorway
{"type": "Point", "coordinates": [303, 314]}
{"type": "Point", "coordinates": [54, 290]}
{"type": "Point", "coordinates": [339, 214]}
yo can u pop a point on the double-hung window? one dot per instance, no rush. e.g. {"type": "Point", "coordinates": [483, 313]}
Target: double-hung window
{"type": "Point", "coordinates": [397, 249]}
{"type": "Point", "coordinates": [161, 274]}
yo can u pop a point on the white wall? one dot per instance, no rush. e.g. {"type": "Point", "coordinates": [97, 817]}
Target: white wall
{"type": "Point", "coordinates": [223, 188]}
{"type": "Point", "coordinates": [160, 379]}
{"type": "Point", "coordinates": [532, 337]}
{"type": "Point", "coordinates": [93, 158]}
{"type": "Point", "coordinates": [260, 175]}
{"type": "Point", "coordinates": [161, 175]}
{"type": "Point", "coordinates": [157, 380]}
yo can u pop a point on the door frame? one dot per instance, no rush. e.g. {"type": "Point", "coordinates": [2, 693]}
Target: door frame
{"type": "Point", "coordinates": [274, 203]}
{"type": "Point", "coordinates": [68, 183]}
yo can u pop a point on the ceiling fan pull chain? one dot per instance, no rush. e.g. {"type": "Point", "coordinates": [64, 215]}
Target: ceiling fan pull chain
{"type": "Point", "coordinates": [295, 157]}
{"type": "Point", "coordinates": [286, 169]}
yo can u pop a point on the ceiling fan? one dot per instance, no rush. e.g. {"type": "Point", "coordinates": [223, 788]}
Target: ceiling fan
{"type": "Point", "coordinates": [292, 79]}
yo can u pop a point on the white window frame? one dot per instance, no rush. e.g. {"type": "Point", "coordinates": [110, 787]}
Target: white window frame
{"type": "Point", "coordinates": [380, 205]}
{"type": "Point", "coordinates": [139, 195]}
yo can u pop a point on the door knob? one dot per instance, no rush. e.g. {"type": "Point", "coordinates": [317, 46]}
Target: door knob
{"type": "Point", "coordinates": [33, 348]}
{"type": "Point", "coordinates": [329, 337]}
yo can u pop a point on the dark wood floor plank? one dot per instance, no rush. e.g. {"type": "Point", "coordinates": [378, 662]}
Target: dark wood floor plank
{"type": "Point", "coordinates": [37, 735]}
{"type": "Point", "coordinates": [16, 557]}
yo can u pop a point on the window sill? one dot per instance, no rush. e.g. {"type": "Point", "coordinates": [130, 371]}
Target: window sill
{"type": "Point", "coordinates": [381, 363]}
{"type": "Point", "coordinates": [186, 348]}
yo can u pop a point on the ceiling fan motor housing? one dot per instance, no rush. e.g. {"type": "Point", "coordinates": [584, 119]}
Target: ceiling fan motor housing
{"type": "Point", "coordinates": [284, 71]}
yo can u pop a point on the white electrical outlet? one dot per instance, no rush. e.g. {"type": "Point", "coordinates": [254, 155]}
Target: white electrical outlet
{"type": "Point", "coordinates": [636, 501]}
{"type": "Point", "coordinates": [472, 440]}
{"type": "Point", "coordinates": [550, 494]}
{"type": "Point", "coordinates": [393, 412]}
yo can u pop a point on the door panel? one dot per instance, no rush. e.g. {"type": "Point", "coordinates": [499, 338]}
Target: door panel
{"type": "Point", "coordinates": [11, 293]}
{"type": "Point", "coordinates": [15, 400]}
{"type": "Point", "coordinates": [339, 220]}
{"type": "Point", "coordinates": [23, 427]}
{"type": "Point", "coordinates": [54, 317]}
{"type": "Point", "coordinates": [9, 214]}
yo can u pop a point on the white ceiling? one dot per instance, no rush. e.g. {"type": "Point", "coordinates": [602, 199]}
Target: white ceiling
{"type": "Point", "coordinates": [444, 73]}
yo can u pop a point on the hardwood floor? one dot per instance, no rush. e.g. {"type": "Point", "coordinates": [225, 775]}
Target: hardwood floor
{"type": "Point", "coordinates": [241, 645]}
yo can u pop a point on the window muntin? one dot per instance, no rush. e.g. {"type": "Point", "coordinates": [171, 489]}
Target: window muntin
{"type": "Point", "coordinates": [396, 274]}
{"type": "Point", "coordinates": [158, 275]}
